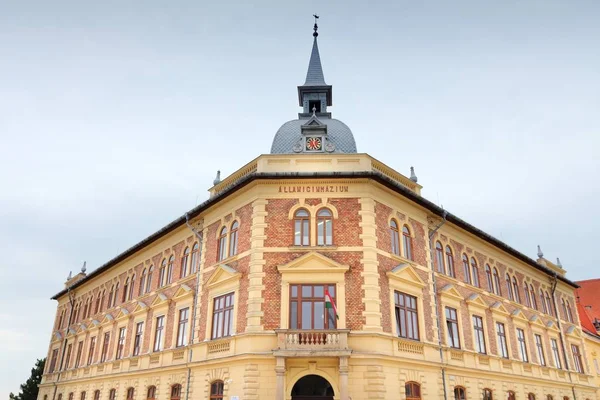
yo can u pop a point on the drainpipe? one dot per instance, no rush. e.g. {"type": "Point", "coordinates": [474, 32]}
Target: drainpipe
{"type": "Point", "coordinates": [436, 301]}
{"type": "Point", "coordinates": [62, 356]}
{"type": "Point", "coordinates": [560, 333]}
{"type": "Point", "coordinates": [193, 324]}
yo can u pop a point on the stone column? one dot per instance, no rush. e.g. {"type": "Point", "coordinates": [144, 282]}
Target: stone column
{"type": "Point", "coordinates": [344, 378]}
{"type": "Point", "coordinates": [280, 372]}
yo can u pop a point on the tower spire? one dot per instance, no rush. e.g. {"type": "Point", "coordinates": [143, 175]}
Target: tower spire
{"type": "Point", "coordinates": [316, 27]}
{"type": "Point", "coordinates": [314, 85]}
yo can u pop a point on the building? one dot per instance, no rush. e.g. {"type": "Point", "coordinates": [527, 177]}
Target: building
{"type": "Point", "coordinates": [317, 272]}
{"type": "Point", "coordinates": [588, 306]}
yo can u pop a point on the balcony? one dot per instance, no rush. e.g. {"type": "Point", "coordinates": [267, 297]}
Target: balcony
{"type": "Point", "coordinates": [298, 343]}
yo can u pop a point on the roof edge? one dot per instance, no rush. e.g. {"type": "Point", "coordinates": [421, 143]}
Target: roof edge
{"type": "Point", "coordinates": [302, 175]}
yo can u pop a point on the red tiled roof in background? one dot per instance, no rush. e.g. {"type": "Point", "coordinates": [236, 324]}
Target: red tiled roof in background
{"type": "Point", "coordinates": [589, 297]}
{"type": "Point", "coordinates": [584, 319]}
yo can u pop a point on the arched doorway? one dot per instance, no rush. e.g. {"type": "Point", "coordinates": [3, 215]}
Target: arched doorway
{"type": "Point", "coordinates": [312, 387]}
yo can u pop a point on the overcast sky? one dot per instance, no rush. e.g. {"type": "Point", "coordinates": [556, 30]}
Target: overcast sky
{"type": "Point", "coordinates": [115, 115]}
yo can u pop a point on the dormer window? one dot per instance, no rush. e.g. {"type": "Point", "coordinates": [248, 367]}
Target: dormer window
{"type": "Point", "coordinates": [314, 105]}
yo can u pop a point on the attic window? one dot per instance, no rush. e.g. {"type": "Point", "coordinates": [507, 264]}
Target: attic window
{"type": "Point", "coordinates": [316, 104]}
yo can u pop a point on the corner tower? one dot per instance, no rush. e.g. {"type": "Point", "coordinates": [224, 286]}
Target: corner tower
{"type": "Point", "coordinates": [314, 131]}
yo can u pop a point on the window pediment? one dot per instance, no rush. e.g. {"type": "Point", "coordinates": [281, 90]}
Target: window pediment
{"type": "Point", "coordinates": [108, 318]}
{"type": "Point", "coordinates": [552, 325]}
{"type": "Point", "coordinates": [405, 273]}
{"type": "Point", "coordinates": [537, 321]}
{"type": "Point", "coordinates": [123, 313]}
{"type": "Point", "coordinates": [183, 291]}
{"type": "Point", "coordinates": [159, 299]}
{"type": "Point", "coordinates": [476, 301]}
{"type": "Point", "coordinates": [518, 315]}
{"type": "Point", "coordinates": [312, 262]}
{"type": "Point", "coordinates": [449, 291]}
{"type": "Point", "coordinates": [140, 307]}
{"type": "Point", "coordinates": [573, 331]}
{"type": "Point", "coordinates": [498, 308]}
{"type": "Point", "coordinates": [222, 274]}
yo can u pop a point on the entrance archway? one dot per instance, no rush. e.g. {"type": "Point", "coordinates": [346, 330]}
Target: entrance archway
{"type": "Point", "coordinates": [312, 387]}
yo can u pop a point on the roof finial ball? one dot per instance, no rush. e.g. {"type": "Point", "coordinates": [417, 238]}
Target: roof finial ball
{"type": "Point", "coordinates": [413, 177]}
{"type": "Point", "coordinates": [540, 254]}
{"type": "Point", "coordinates": [316, 27]}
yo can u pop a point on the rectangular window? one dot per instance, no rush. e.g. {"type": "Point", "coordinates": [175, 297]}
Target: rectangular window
{"type": "Point", "coordinates": [120, 344]}
{"type": "Point", "coordinates": [452, 325]}
{"type": "Point", "coordinates": [522, 345]}
{"type": "Point", "coordinates": [407, 322]}
{"type": "Point", "coordinates": [597, 366]}
{"type": "Point", "coordinates": [307, 307]}
{"type": "Point", "coordinates": [53, 361]}
{"type": "Point", "coordinates": [158, 333]}
{"type": "Point", "coordinates": [183, 327]}
{"type": "Point", "coordinates": [105, 347]}
{"type": "Point", "coordinates": [502, 344]}
{"type": "Point", "coordinates": [78, 355]}
{"type": "Point", "coordinates": [479, 335]}
{"type": "Point", "coordinates": [137, 342]}
{"type": "Point", "coordinates": [577, 358]}
{"type": "Point", "coordinates": [556, 353]}
{"type": "Point", "coordinates": [68, 359]}
{"type": "Point", "coordinates": [91, 352]}
{"type": "Point", "coordinates": [540, 349]}
{"type": "Point", "coordinates": [222, 322]}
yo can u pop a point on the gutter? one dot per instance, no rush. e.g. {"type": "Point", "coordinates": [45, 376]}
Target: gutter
{"type": "Point", "coordinates": [376, 176]}
{"type": "Point", "coordinates": [194, 306]}
{"type": "Point", "coordinates": [436, 303]}
{"type": "Point", "coordinates": [560, 335]}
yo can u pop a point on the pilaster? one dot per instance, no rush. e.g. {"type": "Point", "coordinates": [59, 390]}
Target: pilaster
{"type": "Point", "coordinates": [370, 274]}
{"type": "Point", "coordinates": [254, 312]}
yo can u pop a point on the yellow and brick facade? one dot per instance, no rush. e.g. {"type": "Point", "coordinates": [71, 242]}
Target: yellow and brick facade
{"type": "Point", "coordinates": [362, 354]}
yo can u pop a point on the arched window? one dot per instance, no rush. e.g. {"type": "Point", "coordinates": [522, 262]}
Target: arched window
{"type": "Point", "coordinates": [170, 269]}
{"type": "Point", "coordinates": [162, 273]}
{"type": "Point", "coordinates": [110, 296]}
{"type": "Point", "coordinates": [112, 395]}
{"type": "Point", "coordinates": [475, 272]}
{"type": "Point", "coordinates": [487, 394]}
{"type": "Point", "coordinates": [413, 391]}
{"type": "Point", "coordinates": [460, 393]}
{"type": "Point", "coordinates": [497, 289]}
{"type": "Point", "coordinates": [564, 307]}
{"type": "Point", "coordinates": [450, 262]}
{"type": "Point", "coordinates": [222, 242]}
{"type": "Point", "coordinates": [82, 396]}
{"type": "Point", "coordinates": [71, 396]}
{"type": "Point", "coordinates": [395, 237]}
{"type": "Point", "coordinates": [566, 398]}
{"type": "Point", "coordinates": [549, 397]}
{"type": "Point", "coordinates": [569, 313]}
{"type": "Point", "coordinates": [533, 300]}
{"type": "Point", "coordinates": [516, 290]}
{"type": "Point", "coordinates": [59, 396]}
{"type": "Point", "coordinates": [97, 395]}
{"type": "Point", "coordinates": [184, 262]}
{"type": "Point", "coordinates": [149, 279]}
{"type": "Point", "coordinates": [195, 250]}
{"type": "Point", "coordinates": [549, 304]}
{"type": "Point", "coordinates": [324, 227]}
{"type": "Point", "coordinates": [142, 282]}
{"type": "Point", "coordinates": [85, 309]}
{"type": "Point", "coordinates": [466, 271]}
{"type": "Point", "coordinates": [510, 395]}
{"type": "Point", "coordinates": [407, 243]}
{"type": "Point", "coordinates": [116, 294]}
{"type": "Point", "coordinates": [527, 296]}
{"type": "Point", "coordinates": [488, 275]}
{"type": "Point", "coordinates": [509, 288]}
{"type": "Point", "coordinates": [97, 308]}
{"type": "Point", "coordinates": [216, 390]}
{"type": "Point", "coordinates": [125, 291]}
{"type": "Point", "coordinates": [233, 238]}
{"type": "Point", "coordinates": [531, 396]}
{"type": "Point", "coordinates": [439, 258]}
{"type": "Point", "coordinates": [543, 303]}
{"type": "Point", "coordinates": [45, 397]}
{"type": "Point", "coordinates": [102, 299]}
{"type": "Point", "coordinates": [301, 228]}
{"type": "Point", "coordinates": [151, 393]}
{"type": "Point", "coordinates": [130, 392]}
{"type": "Point", "coordinates": [176, 392]}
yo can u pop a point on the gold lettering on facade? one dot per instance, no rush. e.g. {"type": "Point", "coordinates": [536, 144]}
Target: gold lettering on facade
{"type": "Point", "coordinates": [313, 189]}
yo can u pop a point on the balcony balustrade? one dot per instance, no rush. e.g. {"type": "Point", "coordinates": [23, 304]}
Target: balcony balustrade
{"type": "Point", "coordinates": [309, 342]}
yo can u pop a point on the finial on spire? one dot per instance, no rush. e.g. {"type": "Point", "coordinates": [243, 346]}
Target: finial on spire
{"type": "Point", "coordinates": [540, 254]}
{"type": "Point", "coordinates": [558, 262]}
{"type": "Point", "coordinates": [70, 275]}
{"type": "Point", "coordinates": [217, 179]}
{"type": "Point", "coordinates": [413, 177]}
{"type": "Point", "coordinates": [83, 268]}
{"type": "Point", "coordinates": [314, 110]}
{"type": "Point", "coordinates": [316, 27]}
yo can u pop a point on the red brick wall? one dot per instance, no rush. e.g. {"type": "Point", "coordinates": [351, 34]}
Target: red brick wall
{"type": "Point", "coordinates": [279, 230]}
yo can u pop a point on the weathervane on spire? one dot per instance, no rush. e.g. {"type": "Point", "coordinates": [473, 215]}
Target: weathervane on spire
{"type": "Point", "coordinates": [315, 33]}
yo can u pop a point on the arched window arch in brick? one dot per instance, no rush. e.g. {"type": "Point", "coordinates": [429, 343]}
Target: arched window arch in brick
{"type": "Point", "coordinates": [324, 227]}
{"type": "Point", "coordinates": [413, 391]}
{"type": "Point", "coordinates": [216, 390]}
{"type": "Point", "coordinates": [466, 269]}
{"type": "Point", "coordinates": [439, 258]}
{"type": "Point", "coordinates": [450, 262]}
{"type": "Point", "coordinates": [407, 243]}
{"type": "Point", "coordinates": [395, 237]}
{"type": "Point", "coordinates": [233, 238]}
{"type": "Point", "coordinates": [222, 244]}
{"type": "Point", "coordinates": [301, 227]}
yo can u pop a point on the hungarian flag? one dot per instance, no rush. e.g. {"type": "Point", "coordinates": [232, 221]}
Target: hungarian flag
{"type": "Point", "coordinates": [330, 304]}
